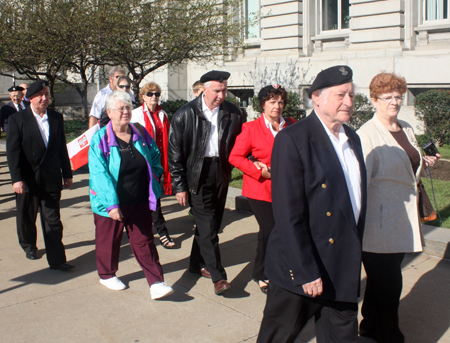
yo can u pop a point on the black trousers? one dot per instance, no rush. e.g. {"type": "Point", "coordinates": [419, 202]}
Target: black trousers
{"type": "Point", "coordinates": [208, 206]}
{"type": "Point", "coordinates": [264, 216]}
{"type": "Point", "coordinates": [159, 222]}
{"type": "Point", "coordinates": [286, 314]}
{"type": "Point", "coordinates": [382, 297]}
{"type": "Point", "coordinates": [48, 205]}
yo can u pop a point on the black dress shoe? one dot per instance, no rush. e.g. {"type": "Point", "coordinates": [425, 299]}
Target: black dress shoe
{"type": "Point", "coordinates": [32, 255]}
{"type": "Point", "coordinates": [63, 266]}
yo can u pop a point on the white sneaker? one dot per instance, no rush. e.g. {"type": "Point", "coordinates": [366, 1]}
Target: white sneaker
{"type": "Point", "coordinates": [113, 283]}
{"type": "Point", "coordinates": [159, 290]}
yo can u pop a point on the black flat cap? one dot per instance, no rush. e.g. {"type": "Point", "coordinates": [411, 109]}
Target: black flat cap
{"type": "Point", "coordinates": [15, 89]}
{"type": "Point", "coordinates": [215, 75]}
{"type": "Point", "coordinates": [36, 87]}
{"type": "Point", "coordinates": [266, 90]}
{"type": "Point", "coordinates": [333, 76]}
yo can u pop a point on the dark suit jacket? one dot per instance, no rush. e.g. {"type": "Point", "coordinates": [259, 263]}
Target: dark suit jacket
{"type": "Point", "coordinates": [41, 168]}
{"type": "Point", "coordinates": [315, 234]}
{"type": "Point", "coordinates": [7, 110]}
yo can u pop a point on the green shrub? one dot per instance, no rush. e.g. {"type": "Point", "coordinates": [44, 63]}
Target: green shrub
{"type": "Point", "coordinates": [172, 106]}
{"type": "Point", "coordinates": [433, 109]}
{"type": "Point", "coordinates": [292, 108]}
{"type": "Point", "coordinates": [362, 111]}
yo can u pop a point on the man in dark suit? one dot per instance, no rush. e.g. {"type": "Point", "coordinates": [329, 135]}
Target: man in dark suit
{"type": "Point", "coordinates": [15, 105]}
{"type": "Point", "coordinates": [38, 162]}
{"type": "Point", "coordinates": [313, 258]}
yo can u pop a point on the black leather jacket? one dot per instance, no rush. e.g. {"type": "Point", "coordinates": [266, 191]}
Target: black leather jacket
{"type": "Point", "coordinates": [188, 138]}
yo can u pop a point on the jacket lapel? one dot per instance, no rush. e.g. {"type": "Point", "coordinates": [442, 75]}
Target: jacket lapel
{"type": "Point", "coordinates": [331, 166]}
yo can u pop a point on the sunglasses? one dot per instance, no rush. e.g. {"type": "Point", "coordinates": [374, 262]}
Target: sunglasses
{"type": "Point", "coordinates": [150, 94]}
{"type": "Point", "coordinates": [124, 86]}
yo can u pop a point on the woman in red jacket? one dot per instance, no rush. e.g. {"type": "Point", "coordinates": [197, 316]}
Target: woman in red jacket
{"type": "Point", "coordinates": [251, 154]}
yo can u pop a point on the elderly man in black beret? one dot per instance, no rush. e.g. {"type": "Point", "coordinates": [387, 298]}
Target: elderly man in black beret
{"type": "Point", "coordinates": [202, 134]}
{"type": "Point", "coordinates": [40, 168]}
{"type": "Point", "coordinates": [15, 105]}
{"type": "Point", "coordinates": [313, 257]}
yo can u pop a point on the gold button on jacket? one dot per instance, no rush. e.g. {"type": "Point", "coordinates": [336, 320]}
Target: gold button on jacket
{"type": "Point", "coordinates": [331, 240]}
{"type": "Point", "coordinates": [328, 214]}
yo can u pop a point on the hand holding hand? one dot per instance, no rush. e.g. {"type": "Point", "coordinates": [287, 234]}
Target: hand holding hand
{"type": "Point", "coordinates": [265, 169]}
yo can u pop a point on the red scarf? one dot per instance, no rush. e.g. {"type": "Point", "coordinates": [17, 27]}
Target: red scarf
{"type": "Point", "coordinates": [161, 139]}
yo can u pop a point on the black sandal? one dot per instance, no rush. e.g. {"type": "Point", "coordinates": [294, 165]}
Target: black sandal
{"type": "Point", "coordinates": [165, 241]}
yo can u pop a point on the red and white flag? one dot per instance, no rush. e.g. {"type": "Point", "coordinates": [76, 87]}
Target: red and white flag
{"type": "Point", "coordinates": [78, 149]}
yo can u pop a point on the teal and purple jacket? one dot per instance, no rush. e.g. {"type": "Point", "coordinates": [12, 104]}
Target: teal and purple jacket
{"type": "Point", "coordinates": [104, 166]}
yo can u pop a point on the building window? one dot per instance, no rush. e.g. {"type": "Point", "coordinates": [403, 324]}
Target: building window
{"type": "Point", "coordinates": [436, 9]}
{"type": "Point", "coordinates": [252, 19]}
{"type": "Point", "coordinates": [335, 14]}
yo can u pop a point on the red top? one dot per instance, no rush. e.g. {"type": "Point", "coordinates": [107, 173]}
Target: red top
{"type": "Point", "coordinates": [255, 139]}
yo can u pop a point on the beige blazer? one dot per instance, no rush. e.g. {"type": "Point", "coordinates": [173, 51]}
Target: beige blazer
{"type": "Point", "coordinates": [392, 219]}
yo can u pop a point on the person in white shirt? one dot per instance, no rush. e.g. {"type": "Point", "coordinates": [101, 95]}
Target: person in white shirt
{"type": "Point", "coordinates": [313, 256]}
{"type": "Point", "coordinates": [40, 167]}
{"type": "Point", "coordinates": [202, 134]}
{"type": "Point", "coordinates": [100, 98]}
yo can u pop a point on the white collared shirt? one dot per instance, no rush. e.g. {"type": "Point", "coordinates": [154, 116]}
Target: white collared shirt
{"type": "Point", "coordinates": [100, 101]}
{"type": "Point", "coordinates": [43, 125]}
{"type": "Point", "coordinates": [350, 167]}
{"type": "Point", "coordinates": [212, 148]}
{"type": "Point", "coordinates": [20, 106]}
{"type": "Point", "coordinates": [270, 127]}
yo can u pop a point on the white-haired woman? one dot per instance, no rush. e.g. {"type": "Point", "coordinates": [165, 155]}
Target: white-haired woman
{"type": "Point", "coordinates": [124, 166]}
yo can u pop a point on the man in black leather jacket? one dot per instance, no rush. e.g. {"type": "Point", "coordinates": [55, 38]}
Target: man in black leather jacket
{"type": "Point", "coordinates": [202, 134]}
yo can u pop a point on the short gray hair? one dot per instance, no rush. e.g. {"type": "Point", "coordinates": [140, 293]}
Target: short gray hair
{"type": "Point", "coordinates": [116, 96]}
{"type": "Point", "coordinates": [208, 83]}
{"type": "Point", "coordinates": [115, 70]}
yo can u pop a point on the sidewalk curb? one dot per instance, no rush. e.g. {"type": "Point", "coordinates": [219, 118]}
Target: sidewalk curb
{"type": "Point", "coordinates": [437, 239]}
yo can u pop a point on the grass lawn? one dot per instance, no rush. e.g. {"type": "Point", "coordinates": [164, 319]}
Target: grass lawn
{"type": "Point", "coordinates": [236, 178]}
{"type": "Point", "coordinates": [74, 128]}
{"type": "Point", "coordinates": [442, 191]}
{"type": "Point", "coordinates": [445, 151]}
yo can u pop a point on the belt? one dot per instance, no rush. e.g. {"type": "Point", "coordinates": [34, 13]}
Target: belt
{"type": "Point", "coordinates": [214, 159]}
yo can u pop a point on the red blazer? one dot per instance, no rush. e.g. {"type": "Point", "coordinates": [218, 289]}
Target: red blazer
{"type": "Point", "coordinates": [255, 139]}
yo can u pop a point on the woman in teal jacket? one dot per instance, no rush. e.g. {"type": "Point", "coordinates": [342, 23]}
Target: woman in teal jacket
{"type": "Point", "coordinates": [124, 166]}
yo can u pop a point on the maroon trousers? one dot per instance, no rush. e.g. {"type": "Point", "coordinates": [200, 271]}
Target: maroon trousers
{"type": "Point", "coordinates": [137, 220]}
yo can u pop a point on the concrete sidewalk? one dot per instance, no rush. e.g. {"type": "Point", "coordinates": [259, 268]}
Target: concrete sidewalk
{"type": "Point", "coordinates": [42, 305]}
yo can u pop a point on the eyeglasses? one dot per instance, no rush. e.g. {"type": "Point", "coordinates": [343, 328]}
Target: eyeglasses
{"type": "Point", "coordinates": [123, 109]}
{"type": "Point", "coordinates": [389, 99]}
{"type": "Point", "coordinates": [124, 86]}
{"type": "Point", "coordinates": [150, 94]}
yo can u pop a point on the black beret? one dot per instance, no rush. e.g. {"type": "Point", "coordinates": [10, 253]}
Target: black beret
{"type": "Point", "coordinates": [267, 90]}
{"type": "Point", "coordinates": [333, 76]}
{"type": "Point", "coordinates": [215, 75]}
{"type": "Point", "coordinates": [36, 87]}
{"type": "Point", "coordinates": [15, 89]}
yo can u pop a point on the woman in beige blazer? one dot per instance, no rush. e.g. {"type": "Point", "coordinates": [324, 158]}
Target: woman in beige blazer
{"type": "Point", "coordinates": [394, 164]}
